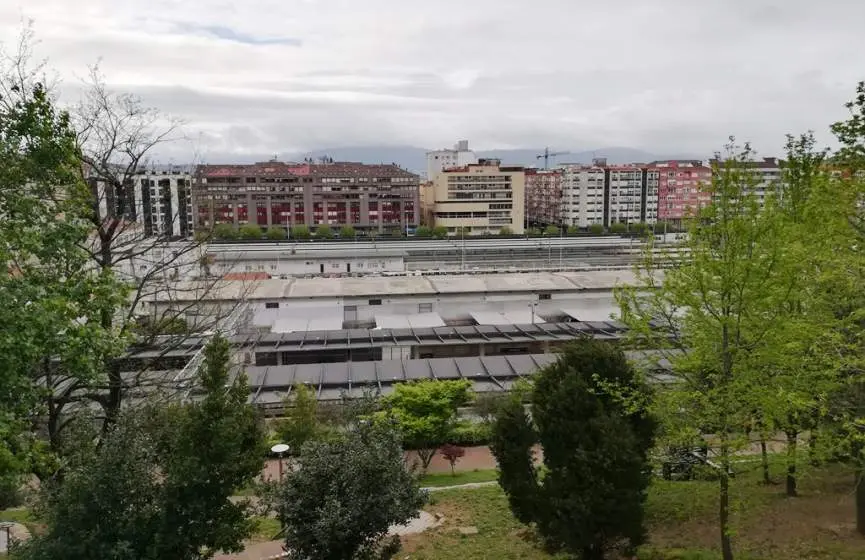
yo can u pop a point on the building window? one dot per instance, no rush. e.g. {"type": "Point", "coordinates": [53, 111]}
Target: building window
{"type": "Point", "coordinates": [271, 305]}
{"type": "Point", "coordinates": [545, 296]}
{"type": "Point", "coordinates": [375, 302]}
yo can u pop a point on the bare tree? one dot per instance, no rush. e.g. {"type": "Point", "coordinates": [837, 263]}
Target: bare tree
{"type": "Point", "coordinates": [118, 138]}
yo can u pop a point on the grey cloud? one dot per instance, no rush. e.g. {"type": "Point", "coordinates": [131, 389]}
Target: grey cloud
{"type": "Point", "coordinates": [670, 76]}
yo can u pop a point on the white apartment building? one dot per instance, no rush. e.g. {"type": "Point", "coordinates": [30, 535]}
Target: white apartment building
{"type": "Point", "coordinates": [480, 198]}
{"type": "Point", "coordinates": [582, 195]}
{"type": "Point", "coordinates": [608, 194]}
{"type": "Point", "coordinates": [632, 196]}
{"type": "Point", "coordinates": [163, 203]}
{"type": "Point", "coordinates": [159, 201]}
{"type": "Point", "coordinates": [440, 160]}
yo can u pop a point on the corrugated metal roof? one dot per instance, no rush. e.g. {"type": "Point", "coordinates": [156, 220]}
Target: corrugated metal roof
{"type": "Point", "coordinates": [415, 321]}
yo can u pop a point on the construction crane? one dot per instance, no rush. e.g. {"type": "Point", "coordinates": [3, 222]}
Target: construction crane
{"type": "Point", "coordinates": [547, 155]}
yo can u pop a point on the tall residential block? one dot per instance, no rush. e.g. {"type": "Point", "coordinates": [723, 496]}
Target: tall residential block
{"type": "Point", "coordinates": [368, 197]}
{"type": "Point", "coordinates": [160, 202]}
{"type": "Point", "coordinates": [544, 203]}
{"type": "Point", "coordinates": [163, 201]}
{"type": "Point", "coordinates": [440, 160]}
{"type": "Point", "coordinates": [768, 172]}
{"type": "Point", "coordinates": [682, 187]}
{"type": "Point", "coordinates": [608, 194]}
{"type": "Point", "coordinates": [480, 198]}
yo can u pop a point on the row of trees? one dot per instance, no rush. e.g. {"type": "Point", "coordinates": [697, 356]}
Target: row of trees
{"type": "Point", "coordinates": [227, 232]}
{"type": "Point", "coordinates": [762, 324]}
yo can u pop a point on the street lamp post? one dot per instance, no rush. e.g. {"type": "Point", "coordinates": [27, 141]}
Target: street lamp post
{"type": "Point", "coordinates": [279, 449]}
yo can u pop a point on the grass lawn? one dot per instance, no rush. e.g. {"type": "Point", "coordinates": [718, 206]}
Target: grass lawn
{"type": "Point", "coordinates": [461, 477]}
{"type": "Point", "coordinates": [682, 521]}
{"type": "Point", "coordinates": [266, 529]}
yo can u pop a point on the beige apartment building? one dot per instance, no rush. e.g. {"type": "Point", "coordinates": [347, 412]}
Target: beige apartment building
{"type": "Point", "coordinates": [482, 198]}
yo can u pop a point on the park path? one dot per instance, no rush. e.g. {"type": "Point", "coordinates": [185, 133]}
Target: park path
{"type": "Point", "coordinates": [273, 549]}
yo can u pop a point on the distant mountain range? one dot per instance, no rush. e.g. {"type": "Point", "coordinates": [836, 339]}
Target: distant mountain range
{"type": "Point", "coordinates": [414, 158]}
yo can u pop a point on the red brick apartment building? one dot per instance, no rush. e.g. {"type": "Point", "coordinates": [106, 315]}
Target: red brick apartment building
{"type": "Point", "coordinates": [544, 197]}
{"type": "Point", "coordinates": [368, 197]}
{"type": "Point", "coordinates": [681, 187]}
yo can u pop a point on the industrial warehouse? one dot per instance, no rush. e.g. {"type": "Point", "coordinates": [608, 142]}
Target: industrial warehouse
{"type": "Point", "coordinates": [345, 336]}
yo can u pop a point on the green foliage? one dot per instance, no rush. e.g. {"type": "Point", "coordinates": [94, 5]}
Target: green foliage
{"type": "Point", "coordinates": [511, 443]}
{"type": "Point", "coordinates": [641, 229]}
{"type": "Point", "coordinates": [426, 413]}
{"type": "Point", "coordinates": [51, 298]}
{"type": "Point", "coordinates": [324, 231]}
{"type": "Point", "coordinates": [470, 434]}
{"type": "Point", "coordinates": [551, 230]}
{"type": "Point", "coordinates": [424, 231]}
{"type": "Point", "coordinates": [300, 423]}
{"type": "Point", "coordinates": [440, 232]}
{"type": "Point", "coordinates": [161, 479]}
{"type": "Point", "coordinates": [504, 231]}
{"type": "Point", "coordinates": [347, 232]}
{"type": "Point", "coordinates": [148, 327]}
{"type": "Point", "coordinates": [573, 230]}
{"type": "Point", "coordinates": [345, 496]}
{"type": "Point", "coordinates": [276, 233]}
{"type": "Point", "coordinates": [596, 229]}
{"type": "Point", "coordinates": [618, 228]}
{"type": "Point", "coordinates": [533, 232]}
{"type": "Point", "coordinates": [589, 409]}
{"type": "Point", "coordinates": [727, 306]}
{"type": "Point", "coordinates": [225, 232]}
{"type": "Point", "coordinates": [300, 232]}
{"type": "Point", "coordinates": [250, 232]}
{"type": "Point", "coordinates": [851, 133]}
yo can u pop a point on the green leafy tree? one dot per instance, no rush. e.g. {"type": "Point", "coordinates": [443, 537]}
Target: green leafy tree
{"type": "Point", "coordinates": [426, 413]}
{"type": "Point", "coordinates": [721, 306]}
{"type": "Point", "coordinates": [440, 232]}
{"type": "Point", "coordinates": [51, 298]}
{"type": "Point", "coordinates": [551, 230]}
{"type": "Point", "coordinates": [423, 231]}
{"type": "Point", "coordinates": [851, 134]}
{"type": "Point", "coordinates": [324, 231]}
{"type": "Point", "coordinates": [642, 229]}
{"type": "Point", "coordinates": [345, 496]}
{"type": "Point", "coordinates": [845, 221]}
{"type": "Point", "coordinates": [225, 232]}
{"type": "Point", "coordinates": [618, 227]}
{"type": "Point", "coordinates": [161, 480]}
{"type": "Point", "coordinates": [513, 437]}
{"type": "Point", "coordinates": [596, 229]}
{"type": "Point", "coordinates": [573, 230]}
{"type": "Point", "coordinates": [300, 232]}
{"type": "Point", "coordinates": [250, 231]}
{"type": "Point", "coordinates": [276, 233]}
{"type": "Point", "coordinates": [533, 232]}
{"type": "Point", "coordinates": [300, 422]}
{"type": "Point", "coordinates": [347, 232]}
{"type": "Point", "coordinates": [590, 413]}
{"type": "Point", "coordinates": [505, 231]}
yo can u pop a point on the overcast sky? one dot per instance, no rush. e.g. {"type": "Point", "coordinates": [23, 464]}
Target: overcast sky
{"type": "Point", "coordinates": [268, 76]}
